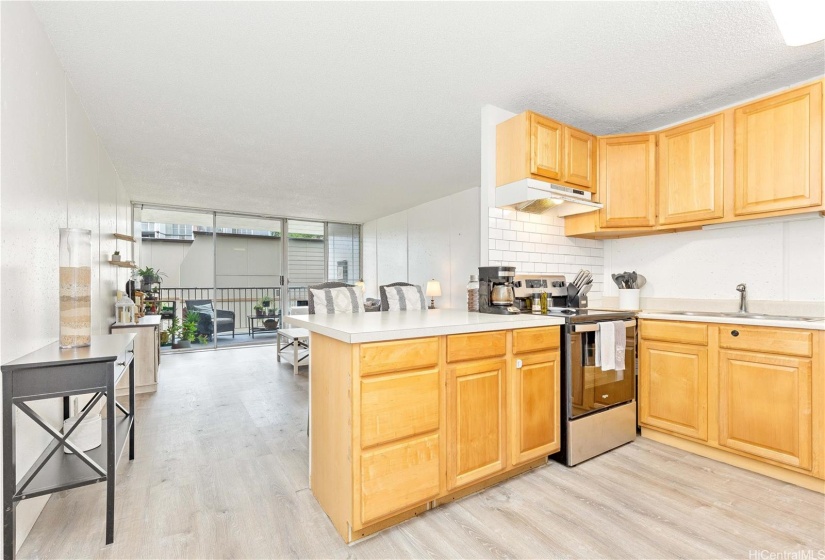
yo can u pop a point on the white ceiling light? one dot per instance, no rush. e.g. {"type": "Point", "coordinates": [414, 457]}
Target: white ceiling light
{"type": "Point", "coordinates": [801, 21]}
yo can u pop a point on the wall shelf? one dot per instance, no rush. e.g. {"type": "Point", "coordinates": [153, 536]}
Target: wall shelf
{"type": "Point", "coordinates": [124, 237]}
{"type": "Point", "coordinates": [124, 264]}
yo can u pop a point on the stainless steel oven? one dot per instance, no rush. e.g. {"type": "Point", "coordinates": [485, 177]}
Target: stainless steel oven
{"type": "Point", "coordinates": [591, 388]}
{"type": "Point", "coordinates": [598, 407]}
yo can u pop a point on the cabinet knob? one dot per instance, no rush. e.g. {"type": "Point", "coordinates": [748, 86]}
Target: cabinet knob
{"type": "Point", "coordinates": [519, 364]}
{"type": "Point", "coordinates": [734, 333]}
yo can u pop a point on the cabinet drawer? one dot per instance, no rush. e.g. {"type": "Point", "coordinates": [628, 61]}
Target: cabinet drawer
{"type": "Point", "coordinates": [398, 406]}
{"type": "Point", "coordinates": [476, 346]}
{"type": "Point", "coordinates": [398, 477]}
{"type": "Point", "coordinates": [790, 342]}
{"type": "Point", "coordinates": [535, 339]}
{"type": "Point", "coordinates": [398, 355]}
{"type": "Point", "coordinates": [671, 331]}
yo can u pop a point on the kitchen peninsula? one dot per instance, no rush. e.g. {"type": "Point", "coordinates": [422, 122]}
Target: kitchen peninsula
{"type": "Point", "coordinates": [411, 409]}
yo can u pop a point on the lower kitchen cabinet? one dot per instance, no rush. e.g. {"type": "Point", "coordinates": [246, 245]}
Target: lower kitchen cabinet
{"type": "Point", "coordinates": [534, 393]}
{"type": "Point", "coordinates": [475, 416]}
{"type": "Point", "coordinates": [673, 387]}
{"type": "Point", "coordinates": [400, 426]}
{"type": "Point", "coordinates": [765, 406]}
{"type": "Point", "coordinates": [398, 476]}
{"type": "Point", "coordinates": [751, 396]}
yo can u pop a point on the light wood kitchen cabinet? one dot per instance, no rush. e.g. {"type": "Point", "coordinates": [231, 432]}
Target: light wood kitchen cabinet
{"type": "Point", "coordinates": [579, 158]}
{"type": "Point", "coordinates": [751, 396]}
{"type": "Point", "coordinates": [765, 406]}
{"type": "Point", "coordinates": [546, 147]}
{"type": "Point", "coordinates": [147, 353]}
{"type": "Point", "coordinates": [673, 387]}
{"type": "Point", "coordinates": [533, 394]}
{"type": "Point", "coordinates": [532, 146]}
{"type": "Point", "coordinates": [398, 476]}
{"type": "Point", "coordinates": [691, 161]}
{"type": "Point", "coordinates": [476, 416]}
{"type": "Point", "coordinates": [760, 159]}
{"type": "Point", "coordinates": [627, 181]}
{"type": "Point", "coordinates": [778, 153]}
{"type": "Point", "coordinates": [400, 426]}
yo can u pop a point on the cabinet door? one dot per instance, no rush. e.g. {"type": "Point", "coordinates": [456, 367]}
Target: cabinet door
{"type": "Point", "coordinates": [690, 172]}
{"type": "Point", "coordinates": [399, 476]}
{"type": "Point", "coordinates": [673, 388]}
{"type": "Point", "coordinates": [627, 181]}
{"type": "Point", "coordinates": [579, 149]}
{"type": "Point", "coordinates": [545, 147]}
{"type": "Point", "coordinates": [765, 406]}
{"type": "Point", "coordinates": [778, 152]}
{"type": "Point", "coordinates": [475, 409]}
{"type": "Point", "coordinates": [533, 407]}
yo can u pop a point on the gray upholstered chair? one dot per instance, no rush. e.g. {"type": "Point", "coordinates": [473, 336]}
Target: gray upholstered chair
{"type": "Point", "coordinates": [323, 286]}
{"type": "Point", "coordinates": [224, 320]}
{"type": "Point", "coordinates": [385, 306]}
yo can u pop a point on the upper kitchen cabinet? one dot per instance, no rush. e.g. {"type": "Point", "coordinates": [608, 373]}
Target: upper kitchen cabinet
{"type": "Point", "coordinates": [531, 146]}
{"type": "Point", "coordinates": [778, 152]}
{"type": "Point", "coordinates": [691, 171]}
{"type": "Point", "coordinates": [627, 181]}
{"type": "Point", "coordinates": [579, 158]}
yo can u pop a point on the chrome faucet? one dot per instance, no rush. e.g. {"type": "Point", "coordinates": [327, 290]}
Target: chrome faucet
{"type": "Point", "coordinates": [743, 298]}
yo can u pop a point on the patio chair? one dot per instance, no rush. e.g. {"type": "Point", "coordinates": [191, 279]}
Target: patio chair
{"type": "Point", "coordinates": [224, 320]}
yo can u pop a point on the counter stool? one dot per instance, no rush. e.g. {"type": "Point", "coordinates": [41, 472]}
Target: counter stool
{"type": "Point", "coordinates": [298, 339]}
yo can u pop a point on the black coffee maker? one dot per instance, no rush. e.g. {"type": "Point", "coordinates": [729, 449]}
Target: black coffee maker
{"type": "Point", "coordinates": [495, 290]}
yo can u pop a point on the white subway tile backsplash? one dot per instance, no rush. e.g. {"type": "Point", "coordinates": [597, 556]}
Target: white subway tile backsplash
{"type": "Point", "coordinates": [536, 243]}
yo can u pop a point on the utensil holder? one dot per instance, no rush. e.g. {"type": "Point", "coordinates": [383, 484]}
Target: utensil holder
{"type": "Point", "coordinates": [629, 299]}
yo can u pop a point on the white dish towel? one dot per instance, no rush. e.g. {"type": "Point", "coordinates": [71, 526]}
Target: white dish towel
{"type": "Point", "coordinates": [611, 339]}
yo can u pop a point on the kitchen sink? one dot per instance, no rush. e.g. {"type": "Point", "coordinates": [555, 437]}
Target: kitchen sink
{"type": "Point", "coordinates": [744, 315]}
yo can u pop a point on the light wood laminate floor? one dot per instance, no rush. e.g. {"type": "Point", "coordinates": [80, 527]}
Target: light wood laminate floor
{"type": "Point", "coordinates": [221, 472]}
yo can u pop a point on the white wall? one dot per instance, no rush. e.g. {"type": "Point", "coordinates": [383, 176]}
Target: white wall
{"type": "Point", "coordinates": [779, 260]}
{"type": "Point", "coordinates": [54, 173]}
{"type": "Point", "coordinates": [438, 239]}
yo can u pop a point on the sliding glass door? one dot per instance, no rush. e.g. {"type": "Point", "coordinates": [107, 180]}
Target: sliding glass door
{"type": "Point", "coordinates": [249, 254]}
{"type": "Point", "coordinates": [176, 273]}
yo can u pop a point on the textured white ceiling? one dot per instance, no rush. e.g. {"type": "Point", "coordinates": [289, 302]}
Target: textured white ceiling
{"type": "Point", "coordinates": [351, 110]}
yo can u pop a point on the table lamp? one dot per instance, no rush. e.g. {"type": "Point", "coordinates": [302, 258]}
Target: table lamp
{"type": "Point", "coordinates": [433, 291]}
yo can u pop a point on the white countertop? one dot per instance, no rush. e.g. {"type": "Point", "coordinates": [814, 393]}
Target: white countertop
{"type": "Point", "coordinates": [818, 325]}
{"type": "Point", "coordinates": [354, 328]}
{"type": "Point", "coordinates": [145, 321]}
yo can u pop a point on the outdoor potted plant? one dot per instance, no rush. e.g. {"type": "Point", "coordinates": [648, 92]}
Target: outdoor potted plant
{"type": "Point", "coordinates": [259, 310]}
{"type": "Point", "coordinates": [266, 301]}
{"type": "Point", "coordinates": [173, 332]}
{"type": "Point", "coordinates": [116, 256]}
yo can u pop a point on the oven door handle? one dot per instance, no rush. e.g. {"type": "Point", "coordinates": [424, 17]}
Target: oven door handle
{"type": "Point", "coordinates": [591, 327]}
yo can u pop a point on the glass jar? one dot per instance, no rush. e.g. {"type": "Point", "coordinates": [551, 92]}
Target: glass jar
{"type": "Point", "coordinates": [536, 305]}
{"type": "Point", "coordinates": [75, 287]}
{"type": "Point", "coordinates": [544, 303]}
{"type": "Point", "coordinates": [472, 293]}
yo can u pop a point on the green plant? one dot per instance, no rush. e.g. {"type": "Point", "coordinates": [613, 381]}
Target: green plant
{"type": "Point", "coordinates": [174, 328]}
{"type": "Point", "coordinates": [149, 274]}
{"type": "Point", "coordinates": [203, 339]}
{"type": "Point", "coordinates": [266, 301]}
{"type": "Point", "coordinates": [116, 253]}
{"type": "Point", "coordinates": [259, 307]}
{"type": "Point", "coordinates": [190, 325]}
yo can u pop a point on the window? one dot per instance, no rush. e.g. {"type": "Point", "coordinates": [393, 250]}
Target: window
{"type": "Point", "coordinates": [344, 253]}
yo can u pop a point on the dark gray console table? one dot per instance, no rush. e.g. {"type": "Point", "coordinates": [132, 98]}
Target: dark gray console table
{"type": "Point", "coordinates": [52, 373]}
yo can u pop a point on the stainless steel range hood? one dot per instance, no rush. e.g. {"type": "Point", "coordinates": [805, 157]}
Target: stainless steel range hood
{"type": "Point", "coordinates": [539, 197]}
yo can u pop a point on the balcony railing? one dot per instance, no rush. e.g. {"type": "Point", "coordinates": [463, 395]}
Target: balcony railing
{"type": "Point", "coordinates": [241, 301]}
